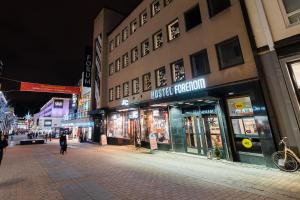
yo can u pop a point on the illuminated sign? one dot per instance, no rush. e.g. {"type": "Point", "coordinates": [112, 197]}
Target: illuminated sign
{"type": "Point", "coordinates": [125, 102]}
{"type": "Point", "coordinates": [58, 103]}
{"type": "Point", "coordinates": [48, 122]}
{"type": "Point", "coordinates": [74, 101]}
{"type": "Point", "coordinates": [180, 88]}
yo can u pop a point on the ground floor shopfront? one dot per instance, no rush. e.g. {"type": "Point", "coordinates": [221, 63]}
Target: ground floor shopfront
{"type": "Point", "coordinates": [81, 129]}
{"type": "Point", "coordinates": [232, 119]}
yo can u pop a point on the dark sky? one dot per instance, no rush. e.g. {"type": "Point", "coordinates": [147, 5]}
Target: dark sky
{"type": "Point", "coordinates": [44, 41]}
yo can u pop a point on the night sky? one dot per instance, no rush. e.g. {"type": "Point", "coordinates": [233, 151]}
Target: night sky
{"type": "Point", "coordinates": [44, 41]}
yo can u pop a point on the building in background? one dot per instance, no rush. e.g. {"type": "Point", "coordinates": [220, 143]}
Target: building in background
{"type": "Point", "coordinates": [169, 69]}
{"type": "Point", "coordinates": [275, 25]}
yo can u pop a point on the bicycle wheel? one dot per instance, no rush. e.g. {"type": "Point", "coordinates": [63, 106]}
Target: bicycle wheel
{"type": "Point", "coordinates": [289, 164]}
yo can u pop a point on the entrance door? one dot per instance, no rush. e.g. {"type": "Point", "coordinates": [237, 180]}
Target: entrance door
{"type": "Point", "coordinates": [212, 131]}
{"type": "Point", "coordinates": [133, 130]}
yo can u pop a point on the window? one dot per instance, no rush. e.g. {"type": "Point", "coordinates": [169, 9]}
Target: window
{"type": "Point", "coordinates": [145, 47]}
{"type": "Point", "coordinates": [229, 53]}
{"type": "Point", "coordinates": [192, 17]}
{"type": "Point", "coordinates": [118, 40]}
{"type": "Point", "coordinates": [111, 45]}
{"type": "Point", "coordinates": [217, 6]}
{"type": "Point", "coordinates": [155, 7]}
{"type": "Point", "coordinates": [160, 77]}
{"type": "Point", "coordinates": [147, 82]}
{"type": "Point", "coordinates": [111, 94]}
{"type": "Point", "coordinates": [126, 89]}
{"type": "Point", "coordinates": [134, 55]}
{"type": "Point", "coordinates": [133, 26]}
{"type": "Point", "coordinates": [167, 2]}
{"type": "Point", "coordinates": [177, 69]}
{"type": "Point", "coordinates": [135, 86]}
{"type": "Point", "coordinates": [143, 18]}
{"type": "Point", "coordinates": [173, 30]}
{"type": "Point", "coordinates": [118, 65]}
{"type": "Point", "coordinates": [111, 69]}
{"type": "Point", "coordinates": [125, 60]}
{"type": "Point", "coordinates": [157, 40]}
{"type": "Point", "coordinates": [125, 34]}
{"type": "Point", "coordinates": [291, 10]}
{"type": "Point", "coordinates": [118, 92]}
{"type": "Point", "coordinates": [199, 63]}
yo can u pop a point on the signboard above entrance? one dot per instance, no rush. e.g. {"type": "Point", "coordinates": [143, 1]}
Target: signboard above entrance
{"type": "Point", "coordinates": [180, 88]}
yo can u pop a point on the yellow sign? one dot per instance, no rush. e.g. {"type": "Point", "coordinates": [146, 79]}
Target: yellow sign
{"type": "Point", "coordinates": [239, 105]}
{"type": "Point", "coordinates": [247, 143]}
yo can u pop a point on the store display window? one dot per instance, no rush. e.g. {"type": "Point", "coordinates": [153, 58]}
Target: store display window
{"type": "Point", "coordinates": [155, 121]}
{"type": "Point", "coordinates": [117, 126]}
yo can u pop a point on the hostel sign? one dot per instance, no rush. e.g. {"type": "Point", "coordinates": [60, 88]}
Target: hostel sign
{"type": "Point", "coordinates": [180, 88]}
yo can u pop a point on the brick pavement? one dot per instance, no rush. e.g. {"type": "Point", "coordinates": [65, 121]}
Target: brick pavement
{"type": "Point", "coordinates": [90, 172]}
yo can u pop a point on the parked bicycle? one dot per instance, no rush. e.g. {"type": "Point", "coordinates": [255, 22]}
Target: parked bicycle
{"type": "Point", "coordinates": [286, 160]}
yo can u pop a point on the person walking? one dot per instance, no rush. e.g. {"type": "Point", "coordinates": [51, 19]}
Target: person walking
{"type": "Point", "coordinates": [3, 145]}
{"type": "Point", "coordinates": [63, 144]}
{"type": "Point", "coordinates": [46, 137]}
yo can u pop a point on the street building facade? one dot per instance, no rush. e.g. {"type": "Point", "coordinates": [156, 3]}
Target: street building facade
{"type": "Point", "coordinates": [168, 71]}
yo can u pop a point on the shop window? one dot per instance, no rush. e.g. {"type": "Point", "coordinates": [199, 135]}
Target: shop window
{"type": "Point", "coordinates": [118, 40]}
{"type": "Point", "coordinates": [111, 69]}
{"type": "Point", "coordinates": [290, 10]}
{"type": "Point", "coordinates": [177, 69]}
{"type": "Point", "coordinates": [111, 45]}
{"type": "Point", "coordinates": [118, 92]}
{"type": "Point", "coordinates": [155, 121]}
{"type": "Point", "coordinates": [134, 55]}
{"type": "Point", "coordinates": [125, 60]}
{"type": "Point", "coordinates": [117, 126]}
{"type": "Point", "coordinates": [111, 94]}
{"type": "Point", "coordinates": [126, 89]}
{"type": "Point", "coordinates": [199, 63]}
{"type": "Point", "coordinates": [147, 82]}
{"type": "Point", "coordinates": [157, 40]}
{"type": "Point", "coordinates": [125, 34]}
{"type": "Point", "coordinates": [192, 17]}
{"type": "Point", "coordinates": [135, 86]}
{"type": "Point", "coordinates": [217, 6]}
{"type": "Point", "coordinates": [155, 7]}
{"type": "Point", "coordinates": [133, 26]}
{"type": "Point", "coordinates": [294, 69]}
{"type": "Point", "coordinates": [173, 30]}
{"type": "Point", "coordinates": [160, 77]}
{"type": "Point", "coordinates": [143, 17]}
{"type": "Point", "coordinates": [118, 65]}
{"type": "Point", "coordinates": [229, 53]}
{"type": "Point", "coordinates": [167, 2]}
{"type": "Point", "coordinates": [243, 124]}
{"type": "Point", "coordinates": [145, 47]}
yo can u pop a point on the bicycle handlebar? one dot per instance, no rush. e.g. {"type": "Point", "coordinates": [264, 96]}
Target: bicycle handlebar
{"type": "Point", "coordinates": [283, 141]}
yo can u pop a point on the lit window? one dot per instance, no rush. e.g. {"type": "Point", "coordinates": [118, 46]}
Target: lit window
{"type": "Point", "coordinates": [125, 34]}
{"type": "Point", "coordinates": [217, 6]}
{"type": "Point", "coordinates": [143, 17]}
{"type": "Point", "coordinates": [111, 94]}
{"type": "Point", "coordinates": [111, 69]}
{"type": "Point", "coordinates": [177, 69]}
{"type": "Point", "coordinates": [118, 92]}
{"type": "Point", "coordinates": [135, 86]}
{"type": "Point", "coordinates": [160, 77]}
{"type": "Point", "coordinates": [134, 55]}
{"type": "Point", "coordinates": [291, 10]}
{"type": "Point", "coordinates": [155, 7]}
{"type": "Point", "coordinates": [118, 65]}
{"type": "Point", "coordinates": [173, 30]}
{"type": "Point", "coordinates": [118, 40]}
{"type": "Point", "coordinates": [157, 40]}
{"type": "Point", "coordinates": [126, 89]}
{"type": "Point", "coordinates": [133, 26]}
{"type": "Point", "coordinates": [125, 60]}
{"type": "Point", "coordinates": [145, 48]}
{"type": "Point", "coordinates": [167, 2]}
{"type": "Point", "coordinates": [147, 82]}
{"type": "Point", "coordinates": [229, 53]}
{"type": "Point", "coordinates": [111, 45]}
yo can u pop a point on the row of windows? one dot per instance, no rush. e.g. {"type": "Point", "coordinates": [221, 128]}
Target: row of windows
{"type": "Point", "coordinates": [192, 18]}
{"type": "Point", "coordinates": [228, 52]}
{"type": "Point", "coordinates": [155, 8]}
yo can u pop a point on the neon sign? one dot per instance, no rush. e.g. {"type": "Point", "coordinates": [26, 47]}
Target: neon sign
{"type": "Point", "coordinates": [180, 88]}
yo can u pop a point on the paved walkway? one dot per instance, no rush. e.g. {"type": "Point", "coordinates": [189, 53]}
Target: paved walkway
{"type": "Point", "coordinates": [90, 172]}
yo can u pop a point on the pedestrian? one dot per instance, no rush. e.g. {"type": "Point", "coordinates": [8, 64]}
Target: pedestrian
{"type": "Point", "coordinates": [63, 144]}
{"type": "Point", "coordinates": [46, 137]}
{"type": "Point", "coordinates": [3, 145]}
{"type": "Point", "coordinates": [50, 135]}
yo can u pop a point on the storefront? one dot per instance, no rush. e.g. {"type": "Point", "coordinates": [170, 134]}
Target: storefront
{"type": "Point", "coordinates": [232, 119]}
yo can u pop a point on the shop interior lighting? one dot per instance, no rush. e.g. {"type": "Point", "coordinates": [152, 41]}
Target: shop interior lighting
{"type": "Point", "coordinates": [159, 105]}
{"type": "Point", "coordinates": [189, 104]}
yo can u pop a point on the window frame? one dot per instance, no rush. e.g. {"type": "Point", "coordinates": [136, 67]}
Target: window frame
{"type": "Point", "coordinates": [172, 22]}
{"type": "Point", "coordinates": [117, 38]}
{"type": "Point", "coordinates": [143, 82]}
{"type": "Point", "coordinates": [187, 11]}
{"type": "Point", "coordinates": [214, 14]}
{"type": "Point", "coordinates": [111, 94]}
{"type": "Point", "coordinates": [111, 45]}
{"type": "Point", "coordinates": [111, 66]}
{"type": "Point", "coordinates": [192, 63]}
{"type": "Point", "coordinates": [142, 47]}
{"type": "Point", "coordinates": [166, 4]}
{"type": "Point", "coordinates": [119, 59]}
{"type": "Point", "coordinates": [286, 15]}
{"type": "Point", "coordinates": [116, 96]}
{"type": "Point", "coordinates": [132, 86]}
{"type": "Point", "coordinates": [218, 54]}
{"type": "Point", "coordinates": [153, 39]}
{"type": "Point", "coordinates": [127, 82]}
{"type": "Point", "coordinates": [171, 66]}
{"type": "Point", "coordinates": [123, 63]}
{"type": "Point", "coordinates": [133, 61]}
{"type": "Point", "coordinates": [131, 23]}
{"type": "Point", "coordinates": [151, 7]}
{"type": "Point", "coordinates": [127, 33]}
{"type": "Point", "coordinates": [156, 78]}
{"type": "Point", "coordinates": [141, 20]}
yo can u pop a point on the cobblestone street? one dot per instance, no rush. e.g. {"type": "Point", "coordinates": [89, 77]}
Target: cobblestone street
{"type": "Point", "coordinates": [90, 172]}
